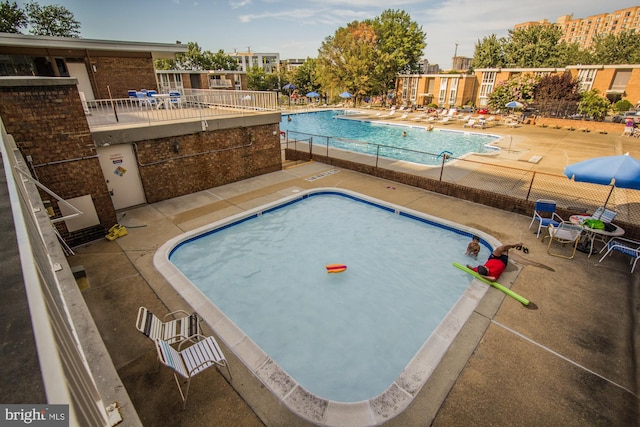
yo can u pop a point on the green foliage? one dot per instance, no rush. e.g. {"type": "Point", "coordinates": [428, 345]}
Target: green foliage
{"type": "Point", "coordinates": [520, 88]}
{"type": "Point", "coordinates": [489, 52]}
{"type": "Point", "coordinates": [348, 59]}
{"type": "Point", "coordinates": [621, 48]}
{"type": "Point", "coordinates": [533, 47]}
{"type": "Point", "coordinates": [12, 18]}
{"type": "Point", "coordinates": [51, 20]}
{"type": "Point", "coordinates": [622, 106]}
{"type": "Point", "coordinates": [305, 76]}
{"type": "Point", "coordinates": [258, 79]}
{"type": "Point", "coordinates": [592, 104]}
{"type": "Point", "coordinates": [365, 57]}
{"type": "Point", "coordinates": [540, 47]}
{"type": "Point", "coordinates": [198, 60]}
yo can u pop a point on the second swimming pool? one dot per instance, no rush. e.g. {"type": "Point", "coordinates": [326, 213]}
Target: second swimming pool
{"type": "Point", "coordinates": [368, 135]}
{"type": "Point", "coordinates": [355, 336]}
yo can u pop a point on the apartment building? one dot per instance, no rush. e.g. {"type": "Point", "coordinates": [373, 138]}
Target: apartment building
{"type": "Point", "coordinates": [269, 62]}
{"type": "Point", "coordinates": [619, 81]}
{"type": "Point", "coordinates": [583, 30]}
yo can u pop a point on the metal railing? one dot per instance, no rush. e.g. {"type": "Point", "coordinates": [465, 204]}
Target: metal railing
{"type": "Point", "coordinates": [193, 104]}
{"type": "Point", "coordinates": [483, 175]}
{"type": "Point", "coordinates": [64, 368]}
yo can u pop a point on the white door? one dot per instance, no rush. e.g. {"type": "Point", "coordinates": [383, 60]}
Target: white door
{"type": "Point", "coordinates": [121, 174]}
{"type": "Point", "coordinates": [79, 71]}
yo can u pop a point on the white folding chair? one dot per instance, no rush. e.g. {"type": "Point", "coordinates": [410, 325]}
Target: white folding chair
{"type": "Point", "coordinates": [191, 361]}
{"type": "Point", "coordinates": [626, 246]}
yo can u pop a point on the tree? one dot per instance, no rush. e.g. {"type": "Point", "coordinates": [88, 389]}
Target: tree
{"type": "Point", "coordinates": [347, 60]}
{"type": "Point", "coordinates": [52, 20]}
{"type": "Point", "coordinates": [197, 59]}
{"type": "Point", "coordinates": [401, 42]}
{"type": "Point", "coordinates": [592, 104]}
{"type": "Point", "coordinates": [557, 95]}
{"type": "Point", "coordinates": [258, 79]}
{"type": "Point", "coordinates": [489, 53]}
{"type": "Point", "coordinates": [365, 57]}
{"type": "Point", "coordinates": [222, 61]}
{"type": "Point", "coordinates": [305, 76]}
{"type": "Point", "coordinates": [12, 18]}
{"type": "Point", "coordinates": [621, 48]}
{"type": "Point", "coordinates": [534, 47]}
{"type": "Point", "coordinates": [520, 88]}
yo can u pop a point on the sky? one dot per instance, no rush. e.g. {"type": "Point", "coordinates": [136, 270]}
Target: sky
{"type": "Point", "coordinates": [296, 29]}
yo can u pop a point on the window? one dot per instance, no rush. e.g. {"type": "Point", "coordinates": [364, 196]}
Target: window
{"type": "Point", "coordinates": [443, 90]}
{"type": "Point", "coordinates": [486, 86]}
{"type": "Point", "coordinates": [586, 78]}
{"type": "Point", "coordinates": [620, 81]}
{"type": "Point", "coordinates": [453, 91]}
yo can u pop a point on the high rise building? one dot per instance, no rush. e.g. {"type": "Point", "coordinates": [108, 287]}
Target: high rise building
{"type": "Point", "coordinates": [583, 30]}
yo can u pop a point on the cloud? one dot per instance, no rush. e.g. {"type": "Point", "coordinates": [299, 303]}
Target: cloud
{"type": "Point", "coordinates": [239, 4]}
{"type": "Point", "coordinates": [323, 16]}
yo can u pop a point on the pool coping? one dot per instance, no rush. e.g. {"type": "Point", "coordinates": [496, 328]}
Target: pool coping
{"type": "Point", "coordinates": [390, 403]}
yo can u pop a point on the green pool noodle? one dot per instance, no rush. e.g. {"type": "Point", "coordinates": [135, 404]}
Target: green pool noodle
{"type": "Point", "coordinates": [496, 285]}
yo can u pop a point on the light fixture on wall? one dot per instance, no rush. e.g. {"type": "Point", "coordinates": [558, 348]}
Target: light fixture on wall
{"type": "Point", "coordinates": [176, 146]}
{"type": "Point", "coordinates": [95, 69]}
{"type": "Point", "coordinates": [252, 138]}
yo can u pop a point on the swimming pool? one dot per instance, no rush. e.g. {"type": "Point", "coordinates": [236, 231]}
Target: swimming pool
{"type": "Point", "coordinates": [266, 367]}
{"type": "Point", "coordinates": [364, 135]}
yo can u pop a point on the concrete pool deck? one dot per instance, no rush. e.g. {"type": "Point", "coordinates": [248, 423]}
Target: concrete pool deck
{"type": "Point", "coordinates": [571, 361]}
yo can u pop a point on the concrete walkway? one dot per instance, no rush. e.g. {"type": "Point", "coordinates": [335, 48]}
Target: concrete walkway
{"type": "Point", "coordinates": [570, 361]}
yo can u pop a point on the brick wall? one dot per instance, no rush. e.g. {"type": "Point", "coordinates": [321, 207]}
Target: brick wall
{"type": "Point", "coordinates": [48, 124]}
{"type": "Point", "coordinates": [121, 74]}
{"type": "Point", "coordinates": [206, 160]}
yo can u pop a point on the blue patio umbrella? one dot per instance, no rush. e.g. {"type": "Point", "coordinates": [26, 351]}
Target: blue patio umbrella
{"type": "Point", "coordinates": [345, 95]}
{"type": "Point", "coordinates": [514, 104]}
{"type": "Point", "coordinates": [616, 171]}
{"type": "Point", "coordinates": [313, 95]}
{"type": "Point", "coordinates": [289, 87]}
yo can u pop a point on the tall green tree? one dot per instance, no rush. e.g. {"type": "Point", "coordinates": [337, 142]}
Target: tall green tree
{"type": "Point", "coordinates": [365, 57]}
{"type": "Point", "coordinates": [258, 79]}
{"type": "Point", "coordinates": [305, 77]}
{"type": "Point", "coordinates": [621, 48]}
{"type": "Point", "coordinates": [534, 47]}
{"type": "Point", "coordinates": [489, 52]}
{"type": "Point", "coordinates": [347, 60]}
{"type": "Point", "coordinates": [12, 18]}
{"type": "Point", "coordinates": [197, 59]}
{"type": "Point", "coordinates": [401, 43]}
{"type": "Point", "coordinates": [51, 20]}
{"type": "Point", "coordinates": [222, 61]}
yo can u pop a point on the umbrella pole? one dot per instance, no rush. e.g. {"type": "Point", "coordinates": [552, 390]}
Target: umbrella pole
{"type": "Point", "coordinates": [608, 197]}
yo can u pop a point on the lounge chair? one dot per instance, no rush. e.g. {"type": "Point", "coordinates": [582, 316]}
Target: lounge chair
{"type": "Point", "coordinates": [191, 361]}
{"type": "Point", "coordinates": [404, 116]}
{"type": "Point", "coordinates": [175, 99]}
{"type": "Point", "coordinates": [388, 116]}
{"type": "Point", "coordinates": [470, 123]}
{"type": "Point", "coordinates": [444, 120]}
{"type": "Point", "coordinates": [625, 246]}
{"type": "Point", "coordinates": [565, 232]}
{"type": "Point", "coordinates": [419, 117]}
{"type": "Point", "coordinates": [545, 213]}
{"type": "Point", "coordinates": [173, 331]}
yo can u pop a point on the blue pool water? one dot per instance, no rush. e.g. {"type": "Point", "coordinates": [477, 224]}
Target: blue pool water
{"type": "Point", "coordinates": [418, 146]}
{"type": "Point", "coordinates": [347, 336]}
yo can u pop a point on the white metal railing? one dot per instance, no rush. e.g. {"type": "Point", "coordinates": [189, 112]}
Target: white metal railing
{"type": "Point", "coordinates": [190, 104]}
{"type": "Point", "coordinates": [65, 372]}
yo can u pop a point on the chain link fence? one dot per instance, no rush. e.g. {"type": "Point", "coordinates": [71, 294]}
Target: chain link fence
{"type": "Point", "coordinates": [527, 185]}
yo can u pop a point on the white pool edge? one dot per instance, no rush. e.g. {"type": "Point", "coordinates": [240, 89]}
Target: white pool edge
{"type": "Point", "coordinates": [305, 404]}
